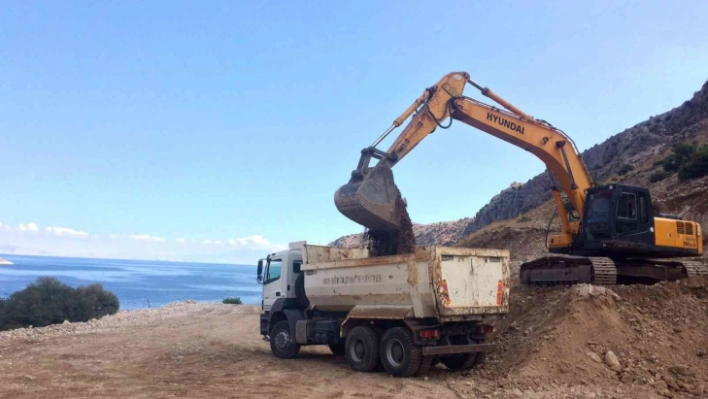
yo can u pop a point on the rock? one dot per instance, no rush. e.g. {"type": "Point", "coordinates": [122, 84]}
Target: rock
{"type": "Point", "coordinates": [626, 378]}
{"type": "Point", "coordinates": [661, 386]}
{"type": "Point", "coordinates": [682, 370]}
{"type": "Point", "coordinates": [516, 392]}
{"type": "Point", "coordinates": [612, 361]}
{"type": "Point", "coordinates": [670, 381]}
{"type": "Point", "coordinates": [594, 356]}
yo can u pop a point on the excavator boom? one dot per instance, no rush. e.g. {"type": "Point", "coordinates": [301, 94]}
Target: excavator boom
{"type": "Point", "coordinates": [370, 197]}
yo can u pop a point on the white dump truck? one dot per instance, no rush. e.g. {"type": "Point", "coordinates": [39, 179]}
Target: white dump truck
{"type": "Point", "coordinates": [403, 312]}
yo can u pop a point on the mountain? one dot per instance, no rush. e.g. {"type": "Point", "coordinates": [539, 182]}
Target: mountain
{"type": "Point", "coordinates": [441, 233]}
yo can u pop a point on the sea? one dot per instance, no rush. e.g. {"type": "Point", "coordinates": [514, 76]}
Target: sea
{"type": "Point", "coordinates": [138, 284]}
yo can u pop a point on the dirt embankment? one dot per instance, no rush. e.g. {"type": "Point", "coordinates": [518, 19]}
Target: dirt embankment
{"type": "Point", "coordinates": [554, 344]}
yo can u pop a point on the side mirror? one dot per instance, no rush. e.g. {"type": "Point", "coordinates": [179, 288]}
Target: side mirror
{"type": "Point", "coordinates": [260, 271]}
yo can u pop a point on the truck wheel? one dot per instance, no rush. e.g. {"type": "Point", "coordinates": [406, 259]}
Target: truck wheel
{"type": "Point", "coordinates": [399, 354]}
{"type": "Point", "coordinates": [282, 343]}
{"type": "Point", "coordinates": [362, 349]}
{"type": "Point", "coordinates": [464, 361]}
{"type": "Point", "coordinates": [337, 349]}
{"type": "Point", "coordinates": [425, 364]}
{"type": "Point", "coordinates": [300, 294]}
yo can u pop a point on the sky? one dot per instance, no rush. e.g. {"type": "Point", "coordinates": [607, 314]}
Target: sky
{"type": "Point", "coordinates": [219, 131]}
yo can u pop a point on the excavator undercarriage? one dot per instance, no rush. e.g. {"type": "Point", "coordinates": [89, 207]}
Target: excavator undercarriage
{"type": "Point", "coordinates": [569, 269]}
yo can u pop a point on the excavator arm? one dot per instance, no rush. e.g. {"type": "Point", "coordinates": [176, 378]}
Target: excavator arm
{"type": "Point", "coordinates": [370, 197]}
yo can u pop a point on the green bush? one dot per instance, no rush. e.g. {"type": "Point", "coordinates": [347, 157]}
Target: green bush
{"type": "Point", "coordinates": [48, 301]}
{"type": "Point", "coordinates": [697, 166]}
{"type": "Point", "coordinates": [626, 168]}
{"type": "Point", "coordinates": [683, 154]}
{"type": "Point", "coordinates": [523, 219]}
{"type": "Point", "coordinates": [232, 301]}
{"type": "Point", "coordinates": [659, 176]}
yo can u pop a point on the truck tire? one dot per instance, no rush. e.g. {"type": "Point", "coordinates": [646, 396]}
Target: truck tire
{"type": "Point", "coordinates": [464, 361]}
{"type": "Point", "coordinates": [425, 364]}
{"type": "Point", "coordinates": [337, 349]}
{"type": "Point", "coordinates": [362, 349]}
{"type": "Point", "coordinates": [400, 356]}
{"type": "Point", "coordinates": [282, 343]}
{"type": "Point", "coordinates": [300, 294]}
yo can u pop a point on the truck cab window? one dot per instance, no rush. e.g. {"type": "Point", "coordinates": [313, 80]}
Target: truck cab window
{"type": "Point", "coordinates": [296, 266]}
{"type": "Point", "coordinates": [273, 272]}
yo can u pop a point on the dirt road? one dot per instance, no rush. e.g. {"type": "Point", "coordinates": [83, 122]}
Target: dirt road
{"type": "Point", "coordinates": [197, 350]}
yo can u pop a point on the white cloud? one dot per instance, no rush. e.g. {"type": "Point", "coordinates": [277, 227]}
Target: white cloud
{"type": "Point", "coordinates": [207, 242]}
{"type": "Point", "coordinates": [145, 237]}
{"type": "Point", "coordinates": [65, 231]}
{"type": "Point", "coordinates": [180, 240]}
{"type": "Point", "coordinates": [29, 227]}
{"type": "Point", "coordinates": [255, 242]}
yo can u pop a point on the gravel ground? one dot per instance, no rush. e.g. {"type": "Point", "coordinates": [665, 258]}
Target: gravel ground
{"type": "Point", "coordinates": [554, 344]}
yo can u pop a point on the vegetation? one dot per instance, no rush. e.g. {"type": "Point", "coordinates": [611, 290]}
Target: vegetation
{"type": "Point", "coordinates": [524, 219]}
{"type": "Point", "coordinates": [626, 168]}
{"type": "Point", "coordinates": [697, 166]}
{"type": "Point", "coordinates": [659, 176]}
{"type": "Point", "coordinates": [48, 301]}
{"type": "Point", "coordinates": [689, 160]}
{"type": "Point", "coordinates": [232, 301]}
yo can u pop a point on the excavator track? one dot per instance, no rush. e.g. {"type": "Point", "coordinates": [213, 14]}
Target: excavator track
{"type": "Point", "coordinates": [566, 270]}
{"type": "Point", "coordinates": [694, 268]}
{"type": "Point", "coordinates": [604, 271]}
{"type": "Point", "coordinates": [689, 268]}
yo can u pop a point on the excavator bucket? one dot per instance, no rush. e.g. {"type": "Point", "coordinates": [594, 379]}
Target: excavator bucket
{"type": "Point", "coordinates": [372, 200]}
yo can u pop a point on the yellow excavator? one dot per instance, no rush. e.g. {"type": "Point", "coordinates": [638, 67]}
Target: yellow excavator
{"type": "Point", "coordinates": [610, 234]}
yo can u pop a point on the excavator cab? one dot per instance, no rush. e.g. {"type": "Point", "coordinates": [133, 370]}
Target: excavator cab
{"type": "Point", "coordinates": [617, 217]}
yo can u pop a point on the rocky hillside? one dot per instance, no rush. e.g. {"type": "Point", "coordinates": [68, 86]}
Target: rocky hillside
{"type": "Point", "coordinates": [636, 145]}
{"type": "Point", "coordinates": [441, 233]}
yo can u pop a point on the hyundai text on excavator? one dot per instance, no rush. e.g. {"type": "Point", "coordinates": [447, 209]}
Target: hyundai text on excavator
{"type": "Point", "coordinates": [610, 233]}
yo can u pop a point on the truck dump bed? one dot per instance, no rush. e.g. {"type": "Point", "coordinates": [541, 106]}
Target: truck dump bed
{"type": "Point", "coordinates": [449, 284]}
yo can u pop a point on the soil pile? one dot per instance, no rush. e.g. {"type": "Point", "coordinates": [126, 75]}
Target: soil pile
{"type": "Point", "coordinates": [642, 341]}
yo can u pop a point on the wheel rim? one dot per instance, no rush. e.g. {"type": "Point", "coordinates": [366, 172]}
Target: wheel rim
{"type": "Point", "coordinates": [357, 350]}
{"type": "Point", "coordinates": [282, 339]}
{"type": "Point", "coordinates": [395, 353]}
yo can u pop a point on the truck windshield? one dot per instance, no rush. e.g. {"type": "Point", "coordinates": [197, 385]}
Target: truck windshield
{"type": "Point", "coordinates": [273, 272]}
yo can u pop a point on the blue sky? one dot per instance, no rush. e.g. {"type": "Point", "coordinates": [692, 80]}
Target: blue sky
{"type": "Point", "coordinates": [212, 121]}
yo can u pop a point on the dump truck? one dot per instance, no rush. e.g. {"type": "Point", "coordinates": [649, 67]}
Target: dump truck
{"type": "Point", "coordinates": [403, 312]}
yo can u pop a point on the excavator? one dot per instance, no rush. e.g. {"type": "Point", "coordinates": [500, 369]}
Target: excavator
{"type": "Point", "coordinates": [609, 234]}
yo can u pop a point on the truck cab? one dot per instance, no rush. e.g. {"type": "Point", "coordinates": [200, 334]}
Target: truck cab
{"type": "Point", "coordinates": [277, 272]}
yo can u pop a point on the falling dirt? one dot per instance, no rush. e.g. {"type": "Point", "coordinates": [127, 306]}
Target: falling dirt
{"type": "Point", "coordinates": [393, 242]}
